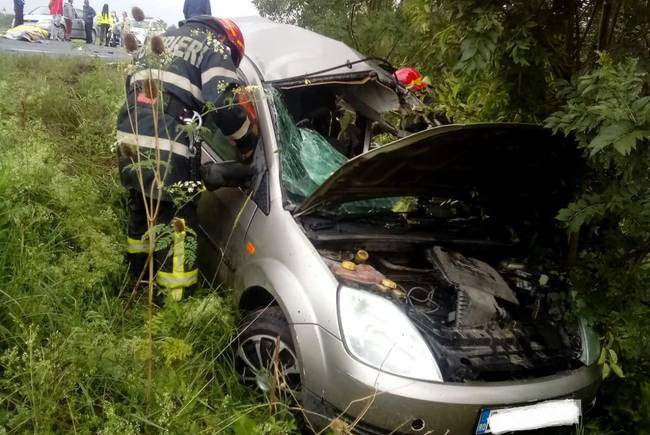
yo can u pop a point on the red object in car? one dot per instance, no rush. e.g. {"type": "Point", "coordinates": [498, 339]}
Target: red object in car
{"type": "Point", "coordinates": [246, 102]}
{"type": "Point", "coordinates": [410, 78]}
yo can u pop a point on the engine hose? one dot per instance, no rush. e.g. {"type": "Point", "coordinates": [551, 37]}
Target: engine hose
{"type": "Point", "coordinates": [387, 264]}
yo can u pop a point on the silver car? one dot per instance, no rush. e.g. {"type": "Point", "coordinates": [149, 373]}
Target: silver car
{"type": "Point", "coordinates": [395, 282]}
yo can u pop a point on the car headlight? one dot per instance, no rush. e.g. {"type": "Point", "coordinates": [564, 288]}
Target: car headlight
{"type": "Point", "coordinates": [378, 333]}
{"type": "Point", "coordinates": [590, 344]}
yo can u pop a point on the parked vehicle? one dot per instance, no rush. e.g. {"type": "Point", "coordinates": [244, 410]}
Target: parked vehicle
{"type": "Point", "coordinates": [414, 287]}
{"type": "Point", "coordinates": [41, 17]}
{"type": "Point", "coordinates": [147, 28]}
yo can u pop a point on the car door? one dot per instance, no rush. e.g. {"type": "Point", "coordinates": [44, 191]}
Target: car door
{"type": "Point", "coordinates": [78, 30]}
{"type": "Point", "coordinates": [224, 216]}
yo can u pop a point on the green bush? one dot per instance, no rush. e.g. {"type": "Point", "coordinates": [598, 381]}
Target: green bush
{"type": "Point", "coordinates": [73, 356]}
{"type": "Point", "coordinates": [608, 111]}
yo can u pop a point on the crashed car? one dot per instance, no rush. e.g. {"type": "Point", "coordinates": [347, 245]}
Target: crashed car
{"type": "Point", "coordinates": [414, 286]}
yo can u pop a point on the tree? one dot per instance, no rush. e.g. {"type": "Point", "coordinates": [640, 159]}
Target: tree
{"type": "Point", "coordinates": [497, 59]}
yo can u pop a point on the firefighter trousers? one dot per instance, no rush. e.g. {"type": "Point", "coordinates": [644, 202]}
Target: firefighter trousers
{"type": "Point", "coordinates": [173, 276]}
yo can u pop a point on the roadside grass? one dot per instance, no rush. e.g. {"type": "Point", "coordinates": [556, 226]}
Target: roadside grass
{"type": "Point", "coordinates": [72, 357]}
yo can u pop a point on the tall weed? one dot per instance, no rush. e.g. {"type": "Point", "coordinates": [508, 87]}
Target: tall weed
{"type": "Point", "coordinates": [72, 359]}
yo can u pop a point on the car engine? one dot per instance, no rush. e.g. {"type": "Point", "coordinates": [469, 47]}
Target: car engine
{"type": "Point", "coordinates": [483, 322]}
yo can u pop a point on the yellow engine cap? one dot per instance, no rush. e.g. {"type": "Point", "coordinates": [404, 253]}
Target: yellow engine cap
{"type": "Point", "coordinates": [389, 284]}
{"type": "Point", "coordinates": [361, 256]}
{"type": "Point", "coordinates": [348, 265]}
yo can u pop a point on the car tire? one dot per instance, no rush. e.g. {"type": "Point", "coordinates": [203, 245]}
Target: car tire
{"type": "Point", "coordinates": [265, 357]}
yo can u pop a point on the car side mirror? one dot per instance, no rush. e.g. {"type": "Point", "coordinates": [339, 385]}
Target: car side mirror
{"type": "Point", "coordinates": [226, 174]}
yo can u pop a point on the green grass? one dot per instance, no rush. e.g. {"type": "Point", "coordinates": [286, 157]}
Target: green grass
{"type": "Point", "coordinates": [72, 355]}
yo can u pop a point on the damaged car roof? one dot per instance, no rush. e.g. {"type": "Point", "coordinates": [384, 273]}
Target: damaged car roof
{"type": "Point", "coordinates": [504, 162]}
{"type": "Point", "coordinates": [283, 52]}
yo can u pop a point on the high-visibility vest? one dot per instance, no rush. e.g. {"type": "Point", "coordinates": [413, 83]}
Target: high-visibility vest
{"type": "Point", "coordinates": [105, 19]}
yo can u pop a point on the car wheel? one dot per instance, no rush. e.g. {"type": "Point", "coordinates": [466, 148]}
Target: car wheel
{"type": "Point", "coordinates": [266, 356]}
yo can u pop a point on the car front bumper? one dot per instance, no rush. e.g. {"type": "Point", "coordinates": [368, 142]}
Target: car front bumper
{"type": "Point", "coordinates": [337, 385]}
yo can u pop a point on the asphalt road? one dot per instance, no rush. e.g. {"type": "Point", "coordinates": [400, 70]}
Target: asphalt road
{"type": "Point", "coordinates": [61, 49]}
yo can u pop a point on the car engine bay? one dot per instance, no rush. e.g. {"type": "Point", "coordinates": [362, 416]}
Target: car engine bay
{"type": "Point", "coordinates": [485, 317]}
{"type": "Point", "coordinates": [474, 263]}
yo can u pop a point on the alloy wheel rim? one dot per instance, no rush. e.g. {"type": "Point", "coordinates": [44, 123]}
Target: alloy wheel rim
{"type": "Point", "coordinates": [266, 368]}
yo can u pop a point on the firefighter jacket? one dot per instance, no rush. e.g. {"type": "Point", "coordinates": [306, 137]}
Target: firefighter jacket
{"type": "Point", "coordinates": [196, 74]}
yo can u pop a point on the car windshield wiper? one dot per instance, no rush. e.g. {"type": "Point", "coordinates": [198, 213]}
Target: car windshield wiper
{"type": "Point", "coordinates": [325, 220]}
{"type": "Point", "coordinates": [369, 215]}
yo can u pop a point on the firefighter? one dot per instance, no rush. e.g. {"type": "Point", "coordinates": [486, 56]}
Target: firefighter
{"type": "Point", "coordinates": [200, 77]}
{"type": "Point", "coordinates": [193, 8]}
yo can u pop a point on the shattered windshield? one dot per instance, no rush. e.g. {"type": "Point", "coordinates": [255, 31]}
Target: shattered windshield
{"type": "Point", "coordinates": [319, 129]}
{"type": "Point", "coordinates": [307, 158]}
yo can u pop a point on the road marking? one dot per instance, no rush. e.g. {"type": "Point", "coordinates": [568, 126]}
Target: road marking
{"type": "Point", "coordinates": [31, 51]}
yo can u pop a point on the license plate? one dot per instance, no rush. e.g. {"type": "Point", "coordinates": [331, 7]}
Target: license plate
{"type": "Point", "coordinates": [541, 415]}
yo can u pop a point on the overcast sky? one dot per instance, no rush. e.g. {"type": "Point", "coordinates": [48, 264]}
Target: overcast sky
{"type": "Point", "coordinates": [169, 10]}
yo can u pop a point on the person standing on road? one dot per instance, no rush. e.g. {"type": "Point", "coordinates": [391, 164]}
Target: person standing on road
{"type": "Point", "coordinates": [193, 8]}
{"type": "Point", "coordinates": [56, 10]}
{"type": "Point", "coordinates": [125, 27]}
{"type": "Point", "coordinates": [105, 21]}
{"type": "Point", "coordinates": [115, 30]}
{"type": "Point", "coordinates": [89, 17]}
{"type": "Point", "coordinates": [68, 16]}
{"type": "Point", "coordinates": [19, 7]}
{"type": "Point", "coordinates": [201, 74]}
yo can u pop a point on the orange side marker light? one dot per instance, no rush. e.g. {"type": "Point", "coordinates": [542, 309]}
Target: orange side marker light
{"type": "Point", "coordinates": [250, 248]}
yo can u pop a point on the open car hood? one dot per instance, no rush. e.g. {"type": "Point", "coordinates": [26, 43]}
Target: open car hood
{"type": "Point", "coordinates": [506, 163]}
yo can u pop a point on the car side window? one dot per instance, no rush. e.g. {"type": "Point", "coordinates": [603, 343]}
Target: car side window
{"type": "Point", "coordinates": [219, 145]}
{"type": "Point", "coordinates": [219, 148]}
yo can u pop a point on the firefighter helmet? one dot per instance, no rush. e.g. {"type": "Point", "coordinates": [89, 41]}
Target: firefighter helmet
{"type": "Point", "coordinates": [234, 38]}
